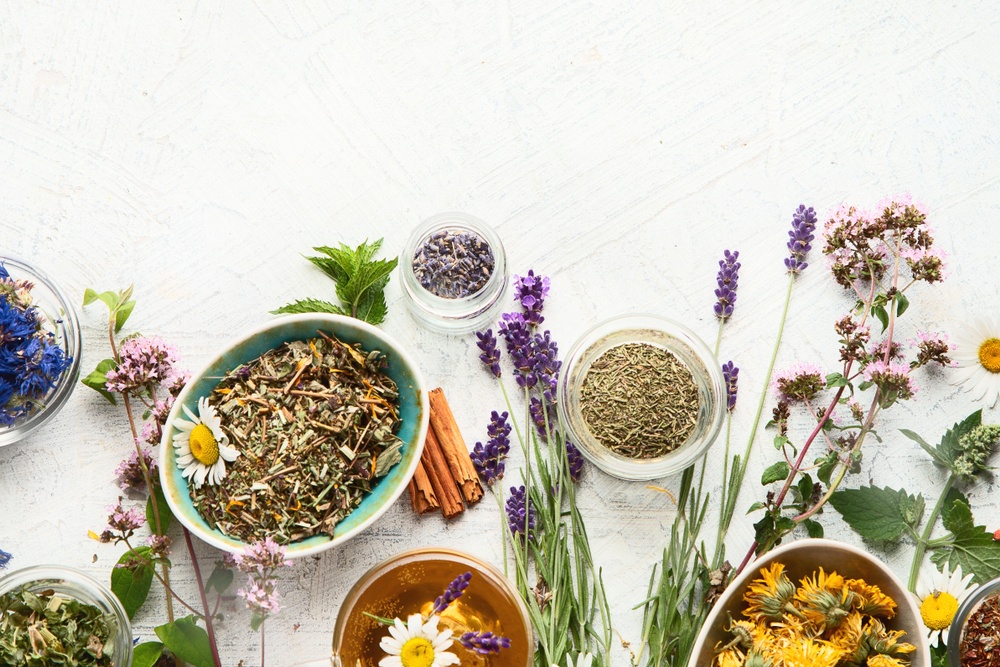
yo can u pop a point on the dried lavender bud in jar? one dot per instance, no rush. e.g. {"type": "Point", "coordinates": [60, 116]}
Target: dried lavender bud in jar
{"type": "Point", "coordinates": [453, 264]}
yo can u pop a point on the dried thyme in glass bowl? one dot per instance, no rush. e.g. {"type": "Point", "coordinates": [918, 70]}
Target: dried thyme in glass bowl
{"type": "Point", "coordinates": [318, 421]}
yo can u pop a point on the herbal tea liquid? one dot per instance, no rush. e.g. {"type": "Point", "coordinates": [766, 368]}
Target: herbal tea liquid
{"type": "Point", "coordinates": [411, 588]}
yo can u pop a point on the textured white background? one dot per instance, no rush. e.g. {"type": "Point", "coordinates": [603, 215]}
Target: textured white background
{"type": "Point", "coordinates": [199, 149]}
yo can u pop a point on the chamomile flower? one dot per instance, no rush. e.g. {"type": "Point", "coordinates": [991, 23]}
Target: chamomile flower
{"type": "Point", "coordinates": [939, 596]}
{"type": "Point", "coordinates": [417, 643]}
{"type": "Point", "coordinates": [978, 359]}
{"type": "Point", "coordinates": [202, 447]}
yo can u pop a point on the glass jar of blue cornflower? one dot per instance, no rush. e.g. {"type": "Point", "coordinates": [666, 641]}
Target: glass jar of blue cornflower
{"type": "Point", "coordinates": [39, 349]}
{"type": "Point", "coordinates": [454, 273]}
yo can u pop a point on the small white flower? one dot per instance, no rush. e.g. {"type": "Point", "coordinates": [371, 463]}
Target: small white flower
{"type": "Point", "coordinates": [977, 355]}
{"type": "Point", "coordinates": [417, 644]}
{"type": "Point", "coordinates": [940, 596]}
{"type": "Point", "coordinates": [202, 447]}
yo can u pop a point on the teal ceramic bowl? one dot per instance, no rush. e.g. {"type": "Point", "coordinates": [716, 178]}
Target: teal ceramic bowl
{"type": "Point", "coordinates": [413, 412]}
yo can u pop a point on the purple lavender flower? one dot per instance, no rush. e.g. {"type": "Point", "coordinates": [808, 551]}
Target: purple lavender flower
{"type": "Point", "coordinates": [545, 364]}
{"type": "Point", "coordinates": [129, 472]}
{"type": "Point", "coordinates": [4, 556]}
{"type": "Point", "coordinates": [539, 413]}
{"type": "Point", "coordinates": [730, 373]}
{"type": "Point", "coordinates": [531, 291]}
{"type": "Point", "coordinates": [490, 352]}
{"type": "Point", "coordinates": [488, 459]}
{"type": "Point", "coordinates": [729, 274]}
{"type": "Point", "coordinates": [483, 643]}
{"type": "Point", "coordinates": [452, 593]}
{"type": "Point", "coordinates": [520, 513]}
{"type": "Point", "coordinates": [800, 237]}
{"type": "Point", "coordinates": [575, 460]}
{"type": "Point", "coordinates": [515, 333]}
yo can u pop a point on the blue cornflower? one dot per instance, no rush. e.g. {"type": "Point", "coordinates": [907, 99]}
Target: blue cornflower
{"type": "Point", "coordinates": [728, 277]}
{"type": "Point", "coordinates": [483, 643]}
{"type": "Point", "coordinates": [575, 460]}
{"type": "Point", "coordinates": [488, 459]}
{"type": "Point", "coordinates": [520, 513]}
{"type": "Point", "coordinates": [801, 235]}
{"type": "Point", "coordinates": [4, 556]}
{"type": "Point", "coordinates": [490, 352]}
{"type": "Point", "coordinates": [452, 593]}
{"type": "Point", "coordinates": [3, 272]}
{"type": "Point", "coordinates": [730, 374]}
{"type": "Point", "coordinates": [531, 291]}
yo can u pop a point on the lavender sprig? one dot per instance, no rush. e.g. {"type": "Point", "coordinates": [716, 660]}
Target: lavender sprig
{"type": "Point", "coordinates": [575, 460]}
{"type": "Point", "coordinates": [483, 643]}
{"type": "Point", "coordinates": [728, 278]}
{"type": "Point", "coordinates": [520, 513]}
{"type": "Point", "coordinates": [730, 373]}
{"type": "Point", "coordinates": [454, 591]}
{"type": "Point", "coordinates": [490, 352]}
{"type": "Point", "coordinates": [800, 237]}
{"type": "Point", "coordinates": [531, 291]}
{"type": "Point", "coordinates": [489, 459]}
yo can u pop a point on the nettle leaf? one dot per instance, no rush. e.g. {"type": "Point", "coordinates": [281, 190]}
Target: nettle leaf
{"type": "Point", "coordinates": [912, 509]}
{"type": "Point", "coordinates": [775, 472]}
{"type": "Point", "coordinates": [372, 308]}
{"type": "Point", "coordinates": [310, 306]}
{"type": "Point", "coordinates": [187, 640]}
{"type": "Point", "coordinates": [972, 546]}
{"type": "Point", "coordinates": [131, 583]}
{"type": "Point", "coordinates": [146, 654]}
{"type": "Point", "coordinates": [876, 514]}
{"type": "Point", "coordinates": [98, 379]}
{"type": "Point", "coordinates": [948, 450]}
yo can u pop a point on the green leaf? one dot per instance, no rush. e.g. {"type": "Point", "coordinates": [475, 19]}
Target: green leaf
{"type": "Point", "coordinates": [164, 509]}
{"type": "Point", "coordinates": [187, 640]}
{"type": "Point", "coordinates": [827, 464]}
{"type": "Point", "coordinates": [372, 276]}
{"type": "Point", "coordinates": [780, 441]}
{"type": "Point", "coordinates": [874, 513]}
{"type": "Point", "coordinates": [110, 299]}
{"type": "Point", "coordinates": [953, 496]}
{"type": "Point", "coordinates": [912, 509]}
{"type": "Point", "coordinates": [310, 306]}
{"type": "Point", "coordinates": [756, 506]}
{"type": "Point", "coordinates": [122, 313]}
{"type": "Point", "coordinates": [333, 265]}
{"type": "Point", "coordinates": [372, 308]}
{"type": "Point", "coordinates": [256, 620]}
{"type": "Point", "coordinates": [131, 583]}
{"type": "Point", "coordinates": [775, 472]}
{"type": "Point", "coordinates": [930, 449]}
{"type": "Point", "coordinates": [883, 317]}
{"type": "Point", "coordinates": [949, 449]}
{"type": "Point", "coordinates": [805, 488]}
{"type": "Point", "coordinates": [146, 654]}
{"type": "Point", "coordinates": [902, 303]}
{"type": "Point", "coordinates": [220, 580]}
{"type": "Point", "coordinates": [972, 546]}
{"type": "Point", "coordinates": [813, 528]}
{"type": "Point", "coordinates": [98, 379]}
{"type": "Point", "coordinates": [836, 380]}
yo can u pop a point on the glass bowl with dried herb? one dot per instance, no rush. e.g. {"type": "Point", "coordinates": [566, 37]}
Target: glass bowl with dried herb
{"type": "Point", "coordinates": [305, 430]}
{"type": "Point", "coordinates": [642, 396]}
{"type": "Point", "coordinates": [39, 349]}
{"type": "Point", "coordinates": [454, 273]}
{"type": "Point", "coordinates": [51, 614]}
{"type": "Point", "coordinates": [974, 636]}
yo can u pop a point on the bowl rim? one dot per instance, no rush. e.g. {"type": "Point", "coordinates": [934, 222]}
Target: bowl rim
{"type": "Point", "coordinates": [918, 639]}
{"type": "Point", "coordinates": [292, 551]}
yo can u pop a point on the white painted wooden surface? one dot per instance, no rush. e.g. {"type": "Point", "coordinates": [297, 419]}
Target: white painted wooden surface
{"type": "Point", "coordinates": [199, 149]}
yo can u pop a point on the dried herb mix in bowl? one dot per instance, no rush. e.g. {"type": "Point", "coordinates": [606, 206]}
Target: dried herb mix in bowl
{"type": "Point", "coordinates": [314, 422]}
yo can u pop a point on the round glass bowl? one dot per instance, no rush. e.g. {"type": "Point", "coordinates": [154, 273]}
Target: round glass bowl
{"type": "Point", "coordinates": [956, 632]}
{"type": "Point", "coordinates": [667, 335]}
{"type": "Point", "coordinates": [61, 320]}
{"type": "Point", "coordinates": [70, 583]}
{"type": "Point", "coordinates": [461, 313]}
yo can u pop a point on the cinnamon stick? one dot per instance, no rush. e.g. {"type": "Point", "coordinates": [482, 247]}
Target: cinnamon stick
{"type": "Point", "coordinates": [453, 445]}
{"type": "Point", "coordinates": [422, 495]}
{"type": "Point", "coordinates": [440, 477]}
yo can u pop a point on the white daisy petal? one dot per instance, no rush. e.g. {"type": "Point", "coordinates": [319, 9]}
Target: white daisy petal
{"type": "Point", "coordinates": [982, 380]}
{"type": "Point", "coordinates": [390, 661]}
{"type": "Point", "coordinates": [208, 462]}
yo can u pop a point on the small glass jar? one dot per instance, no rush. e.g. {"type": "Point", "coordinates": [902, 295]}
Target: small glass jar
{"type": "Point", "coordinates": [667, 335]}
{"type": "Point", "coordinates": [464, 312]}
{"type": "Point", "coordinates": [62, 321]}
{"type": "Point", "coordinates": [956, 632]}
{"type": "Point", "coordinates": [70, 583]}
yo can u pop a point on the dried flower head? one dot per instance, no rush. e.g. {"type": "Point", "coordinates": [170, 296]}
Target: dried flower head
{"type": "Point", "coordinates": [801, 382]}
{"type": "Point", "coordinates": [932, 348]}
{"type": "Point", "coordinates": [483, 643]}
{"type": "Point", "coordinates": [124, 521]}
{"type": "Point", "coordinates": [489, 459]}
{"type": "Point", "coordinates": [575, 460]}
{"type": "Point", "coordinates": [129, 472]}
{"type": "Point", "coordinates": [454, 591]}
{"type": "Point", "coordinates": [490, 355]}
{"type": "Point", "coordinates": [143, 362]}
{"type": "Point", "coordinates": [730, 373]}
{"type": "Point", "coordinates": [893, 379]}
{"type": "Point", "coordinates": [4, 558]}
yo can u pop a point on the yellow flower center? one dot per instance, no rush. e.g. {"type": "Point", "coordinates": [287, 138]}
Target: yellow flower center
{"type": "Point", "coordinates": [203, 445]}
{"type": "Point", "coordinates": [938, 610]}
{"type": "Point", "coordinates": [417, 652]}
{"type": "Point", "coordinates": [989, 355]}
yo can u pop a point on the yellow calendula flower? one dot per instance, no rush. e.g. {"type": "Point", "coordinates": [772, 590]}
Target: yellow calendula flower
{"type": "Point", "coordinates": [886, 661]}
{"type": "Point", "coordinates": [729, 658]}
{"type": "Point", "coordinates": [882, 641]}
{"type": "Point", "coordinates": [849, 634]}
{"type": "Point", "coordinates": [869, 599]}
{"type": "Point", "coordinates": [824, 600]}
{"type": "Point", "coordinates": [769, 597]}
{"type": "Point", "coordinates": [810, 653]}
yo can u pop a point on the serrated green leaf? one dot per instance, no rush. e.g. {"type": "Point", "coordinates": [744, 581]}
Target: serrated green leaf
{"type": "Point", "coordinates": [775, 472]}
{"type": "Point", "coordinates": [166, 516]}
{"type": "Point", "coordinates": [872, 511]}
{"type": "Point", "coordinates": [805, 488]}
{"type": "Point", "coordinates": [931, 450]}
{"type": "Point", "coordinates": [813, 528]}
{"type": "Point", "coordinates": [333, 265]}
{"type": "Point", "coordinates": [949, 447]}
{"type": "Point", "coordinates": [131, 583]}
{"type": "Point", "coordinates": [370, 276]}
{"type": "Point", "coordinates": [310, 306]}
{"type": "Point", "coordinates": [98, 379]}
{"type": "Point", "coordinates": [372, 308]}
{"type": "Point", "coordinates": [953, 496]}
{"type": "Point", "coordinates": [883, 317]}
{"type": "Point", "coordinates": [122, 314]}
{"type": "Point", "coordinates": [912, 509]}
{"type": "Point", "coordinates": [972, 546]}
{"type": "Point", "coordinates": [146, 654]}
{"type": "Point", "coordinates": [187, 640]}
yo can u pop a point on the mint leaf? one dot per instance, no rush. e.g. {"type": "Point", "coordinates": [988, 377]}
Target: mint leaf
{"type": "Point", "coordinates": [972, 546]}
{"type": "Point", "coordinates": [775, 472]}
{"type": "Point", "coordinates": [131, 583]}
{"type": "Point", "coordinates": [187, 640]}
{"type": "Point", "coordinates": [875, 514]}
{"type": "Point", "coordinates": [146, 654]}
{"type": "Point", "coordinates": [310, 306]}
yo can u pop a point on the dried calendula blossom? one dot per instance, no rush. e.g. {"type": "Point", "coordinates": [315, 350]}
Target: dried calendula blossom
{"type": "Point", "coordinates": [824, 621]}
{"type": "Point", "coordinates": [43, 629]}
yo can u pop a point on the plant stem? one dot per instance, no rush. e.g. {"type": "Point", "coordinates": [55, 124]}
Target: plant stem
{"type": "Point", "coordinates": [263, 624]}
{"type": "Point", "coordinates": [922, 543]}
{"type": "Point", "coordinates": [209, 627]}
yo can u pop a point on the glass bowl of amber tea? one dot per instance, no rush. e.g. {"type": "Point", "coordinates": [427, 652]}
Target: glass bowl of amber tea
{"type": "Point", "coordinates": [641, 396]}
{"type": "Point", "coordinates": [409, 583]}
{"type": "Point", "coordinates": [305, 430]}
